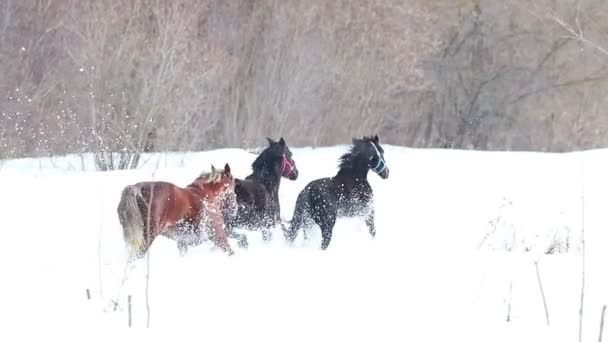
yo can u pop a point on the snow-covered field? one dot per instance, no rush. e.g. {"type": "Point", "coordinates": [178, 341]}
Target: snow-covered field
{"type": "Point", "coordinates": [458, 236]}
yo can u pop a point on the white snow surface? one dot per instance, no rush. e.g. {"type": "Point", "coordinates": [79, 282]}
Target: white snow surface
{"type": "Point", "coordinates": [458, 235]}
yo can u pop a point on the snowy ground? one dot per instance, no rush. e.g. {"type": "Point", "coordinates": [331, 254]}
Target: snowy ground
{"type": "Point", "coordinates": [458, 235]}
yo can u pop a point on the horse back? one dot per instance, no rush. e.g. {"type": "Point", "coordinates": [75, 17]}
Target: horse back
{"type": "Point", "coordinates": [170, 203]}
{"type": "Point", "coordinates": [320, 191]}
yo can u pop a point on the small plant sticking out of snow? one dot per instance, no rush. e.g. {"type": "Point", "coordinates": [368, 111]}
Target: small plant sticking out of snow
{"type": "Point", "coordinates": [513, 229]}
{"type": "Point", "coordinates": [561, 241]}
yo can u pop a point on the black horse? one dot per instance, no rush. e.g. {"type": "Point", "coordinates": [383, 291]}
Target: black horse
{"type": "Point", "coordinates": [347, 194]}
{"type": "Point", "coordinates": [258, 194]}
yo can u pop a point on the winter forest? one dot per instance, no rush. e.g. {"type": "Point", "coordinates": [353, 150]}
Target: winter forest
{"type": "Point", "coordinates": [116, 75]}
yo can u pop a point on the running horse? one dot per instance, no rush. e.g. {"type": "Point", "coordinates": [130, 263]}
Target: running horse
{"type": "Point", "coordinates": [149, 209]}
{"type": "Point", "coordinates": [258, 194]}
{"type": "Point", "coordinates": [347, 194]}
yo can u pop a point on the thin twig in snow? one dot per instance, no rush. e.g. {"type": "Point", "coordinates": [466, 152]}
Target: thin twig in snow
{"type": "Point", "coordinates": [148, 233]}
{"type": "Point", "coordinates": [602, 322]}
{"type": "Point", "coordinates": [542, 292]}
{"type": "Point", "coordinates": [129, 309]}
{"type": "Point", "coordinates": [99, 246]}
{"type": "Point", "coordinates": [509, 304]}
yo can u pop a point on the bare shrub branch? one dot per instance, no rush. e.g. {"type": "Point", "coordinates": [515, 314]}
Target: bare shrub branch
{"type": "Point", "coordinates": [542, 292]}
{"type": "Point", "coordinates": [121, 77]}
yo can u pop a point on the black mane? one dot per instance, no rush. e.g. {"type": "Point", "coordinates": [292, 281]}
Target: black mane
{"type": "Point", "coordinates": [349, 159]}
{"type": "Point", "coordinates": [264, 160]}
{"type": "Point", "coordinates": [264, 169]}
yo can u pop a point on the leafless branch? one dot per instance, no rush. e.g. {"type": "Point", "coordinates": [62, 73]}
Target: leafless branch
{"type": "Point", "coordinates": [148, 241]}
{"type": "Point", "coordinates": [602, 322]}
{"type": "Point", "coordinates": [542, 292]}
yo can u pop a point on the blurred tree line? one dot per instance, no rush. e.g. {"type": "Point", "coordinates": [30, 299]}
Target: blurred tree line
{"type": "Point", "coordinates": [127, 76]}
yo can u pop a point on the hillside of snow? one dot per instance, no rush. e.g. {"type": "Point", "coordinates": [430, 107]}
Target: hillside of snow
{"type": "Point", "coordinates": [458, 235]}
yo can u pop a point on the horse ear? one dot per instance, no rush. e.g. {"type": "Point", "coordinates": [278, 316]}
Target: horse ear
{"type": "Point", "coordinates": [270, 141]}
{"type": "Point", "coordinates": [212, 168]}
{"type": "Point", "coordinates": [282, 141]}
{"type": "Point", "coordinates": [227, 169]}
{"type": "Point", "coordinates": [376, 140]}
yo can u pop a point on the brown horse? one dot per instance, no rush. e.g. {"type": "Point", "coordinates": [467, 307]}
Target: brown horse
{"type": "Point", "coordinates": [149, 209]}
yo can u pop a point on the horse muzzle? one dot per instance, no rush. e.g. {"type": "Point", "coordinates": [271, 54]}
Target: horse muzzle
{"type": "Point", "coordinates": [384, 173]}
{"type": "Point", "coordinates": [288, 169]}
{"type": "Point", "coordinates": [293, 175]}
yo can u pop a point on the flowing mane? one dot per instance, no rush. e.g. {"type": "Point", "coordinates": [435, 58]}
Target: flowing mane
{"type": "Point", "coordinates": [262, 160]}
{"type": "Point", "coordinates": [347, 160]}
{"type": "Point", "coordinates": [211, 177]}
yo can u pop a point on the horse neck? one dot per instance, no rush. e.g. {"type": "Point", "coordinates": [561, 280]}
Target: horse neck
{"type": "Point", "coordinates": [267, 177]}
{"type": "Point", "coordinates": [357, 171]}
{"type": "Point", "coordinates": [198, 187]}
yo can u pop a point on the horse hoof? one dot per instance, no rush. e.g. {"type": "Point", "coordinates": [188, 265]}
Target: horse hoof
{"type": "Point", "coordinates": [243, 243]}
{"type": "Point", "coordinates": [266, 235]}
{"type": "Point", "coordinates": [183, 249]}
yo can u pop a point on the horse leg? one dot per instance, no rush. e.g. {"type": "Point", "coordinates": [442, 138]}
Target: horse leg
{"type": "Point", "coordinates": [266, 234]}
{"type": "Point", "coordinates": [267, 224]}
{"type": "Point", "coordinates": [299, 219]}
{"type": "Point", "coordinates": [230, 224]}
{"type": "Point", "coordinates": [220, 239]}
{"type": "Point", "coordinates": [327, 227]}
{"type": "Point", "coordinates": [326, 219]}
{"type": "Point", "coordinates": [182, 247]}
{"type": "Point", "coordinates": [218, 234]}
{"type": "Point", "coordinates": [370, 222]}
{"type": "Point", "coordinates": [241, 239]}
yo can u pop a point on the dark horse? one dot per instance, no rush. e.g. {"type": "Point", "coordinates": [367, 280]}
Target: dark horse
{"type": "Point", "coordinates": [258, 194]}
{"type": "Point", "coordinates": [149, 209]}
{"type": "Point", "coordinates": [347, 194]}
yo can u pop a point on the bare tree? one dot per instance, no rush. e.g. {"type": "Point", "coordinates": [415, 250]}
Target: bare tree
{"type": "Point", "coordinates": [320, 70]}
{"type": "Point", "coordinates": [120, 77]}
{"type": "Point", "coordinates": [135, 67]}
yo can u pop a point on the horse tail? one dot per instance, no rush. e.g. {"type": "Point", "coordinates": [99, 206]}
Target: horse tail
{"type": "Point", "coordinates": [132, 219]}
{"type": "Point", "coordinates": [300, 214]}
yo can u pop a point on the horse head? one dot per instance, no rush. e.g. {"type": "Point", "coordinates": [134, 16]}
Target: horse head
{"type": "Point", "coordinates": [368, 154]}
{"type": "Point", "coordinates": [278, 150]}
{"type": "Point", "coordinates": [226, 192]}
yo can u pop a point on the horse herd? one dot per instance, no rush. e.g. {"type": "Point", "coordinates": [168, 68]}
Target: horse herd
{"type": "Point", "coordinates": [216, 203]}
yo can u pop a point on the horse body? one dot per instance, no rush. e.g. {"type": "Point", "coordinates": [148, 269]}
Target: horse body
{"type": "Point", "coordinates": [149, 209]}
{"type": "Point", "coordinates": [347, 194]}
{"type": "Point", "coordinates": [185, 206]}
{"type": "Point", "coordinates": [258, 194]}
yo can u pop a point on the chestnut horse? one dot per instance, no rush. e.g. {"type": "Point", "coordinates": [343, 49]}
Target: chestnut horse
{"type": "Point", "coordinates": [149, 209]}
